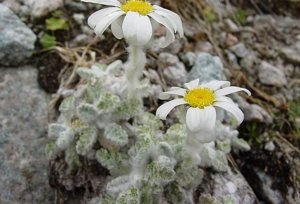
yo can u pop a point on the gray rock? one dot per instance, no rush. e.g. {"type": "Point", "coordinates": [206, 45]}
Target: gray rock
{"type": "Point", "coordinates": [254, 112]}
{"type": "Point", "coordinates": [230, 25]}
{"type": "Point", "coordinates": [204, 46]}
{"type": "Point", "coordinates": [188, 58]}
{"type": "Point", "coordinates": [175, 75]}
{"type": "Point", "coordinates": [248, 62]}
{"type": "Point", "coordinates": [228, 185]}
{"type": "Point", "coordinates": [40, 8]}
{"type": "Point", "coordinates": [291, 55]}
{"type": "Point", "coordinates": [206, 68]}
{"type": "Point", "coordinates": [270, 75]}
{"type": "Point", "coordinates": [23, 127]}
{"type": "Point", "coordinates": [79, 18]}
{"type": "Point", "coordinates": [16, 39]}
{"type": "Point", "coordinates": [240, 50]}
{"type": "Point", "coordinates": [270, 146]}
{"type": "Point", "coordinates": [167, 58]}
{"type": "Point", "coordinates": [14, 5]}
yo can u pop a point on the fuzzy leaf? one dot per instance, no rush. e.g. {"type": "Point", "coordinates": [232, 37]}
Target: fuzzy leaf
{"type": "Point", "coordinates": [95, 73]}
{"type": "Point", "coordinates": [119, 184]}
{"type": "Point", "coordinates": [128, 109]}
{"type": "Point", "coordinates": [93, 91]}
{"type": "Point", "coordinates": [110, 160]}
{"type": "Point", "coordinates": [87, 137]}
{"type": "Point", "coordinates": [228, 199]}
{"type": "Point", "coordinates": [139, 151]}
{"type": "Point", "coordinates": [160, 172]}
{"type": "Point", "coordinates": [188, 174]}
{"type": "Point", "coordinates": [51, 150]}
{"type": "Point", "coordinates": [72, 158]}
{"type": "Point", "coordinates": [208, 199]}
{"type": "Point", "coordinates": [65, 139]}
{"type": "Point", "coordinates": [55, 129]}
{"type": "Point", "coordinates": [114, 67]}
{"type": "Point", "coordinates": [132, 196]}
{"type": "Point", "coordinates": [149, 123]}
{"type": "Point", "coordinates": [175, 194]}
{"type": "Point", "coordinates": [165, 149]}
{"type": "Point", "coordinates": [87, 112]}
{"type": "Point", "coordinates": [220, 162]}
{"type": "Point", "coordinates": [116, 134]}
{"type": "Point", "coordinates": [240, 144]}
{"type": "Point", "coordinates": [67, 104]}
{"type": "Point", "coordinates": [108, 102]}
{"type": "Point", "coordinates": [224, 146]}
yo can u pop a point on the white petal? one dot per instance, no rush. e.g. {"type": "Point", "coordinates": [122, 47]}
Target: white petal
{"type": "Point", "coordinates": [173, 91]}
{"type": "Point", "coordinates": [192, 84]}
{"type": "Point", "coordinates": [230, 90]}
{"type": "Point", "coordinates": [104, 2]}
{"type": "Point", "coordinates": [170, 33]}
{"type": "Point", "coordinates": [233, 109]}
{"type": "Point", "coordinates": [94, 19]}
{"type": "Point", "coordinates": [167, 18]}
{"type": "Point", "coordinates": [137, 29]}
{"type": "Point", "coordinates": [165, 109]}
{"type": "Point", "coordinates": [215, 85]}
{"type": "Point", "coordinates": [116, 28]}
{"type": "Point", "coordinates": [201, 119]}
{"type": "Point", "coordinates": [103, 24]}
{"type": "Point", "coordinates": [224, 99]}
{"type": "Point", "coordinates": [173, 16]}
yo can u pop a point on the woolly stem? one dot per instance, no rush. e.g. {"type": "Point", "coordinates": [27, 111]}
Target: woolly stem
{"type": "Point", "coordinates": [134, 70]}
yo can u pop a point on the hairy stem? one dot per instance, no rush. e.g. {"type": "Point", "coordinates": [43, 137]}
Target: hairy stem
{"type": "Point", "coordinates": [134, 69]}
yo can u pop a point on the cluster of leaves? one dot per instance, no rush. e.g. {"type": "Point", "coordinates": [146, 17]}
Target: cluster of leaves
{"type": "Point", "coordinates": [146, 164]}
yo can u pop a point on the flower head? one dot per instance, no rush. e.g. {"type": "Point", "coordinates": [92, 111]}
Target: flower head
{"type": "Point", "coordinates": [134, 20]}
{"type": "Point", "coordinates": [202, 100]}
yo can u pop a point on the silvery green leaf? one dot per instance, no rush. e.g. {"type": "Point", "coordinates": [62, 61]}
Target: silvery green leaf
{"type": "Point", "coordinates": [139, 152]}
{"type": "Point", "coordinates": [51, 150]}
{"type": "Point", "coordinates": [85, 73]}
{"type": "Point", "coordinates": [87, 138]}
{"type": "Point", "coordinates": [128, 109]}
{"type": "Point", "coordinates": [119, 184]}
{"type": "Point", "coordinates": [208, 199]}
{"type": "Point", "coordinates": [176, 134]}
{"type": "Point", "coordinates": [67, 104]}
{"type": "Point", "coordinates": [110, 160]}
{"type": "Point", "coordinates": [165, 149]}
{"type": "Point", "coordinates": [159, 173]}
{"type": "Point", "coordinates": [87, 112]}
{"type": "Point", "coordinates": [115, 67]}
{"type": "Point", "coordinates": [147, 193]}
{"type": "Point", "coordinates": [77, 125]}
{"type": "Point", "coordinates": [220, 163]}
{"type": "Point", "coordinates": [131, 196]}
{"type": "Point", "coordinates": [65, 139]}
{"type": "Point", "coordinates": [188, 174]}
{"type": "Point", "coordinates": [144, 87]}
{"type": "Point", "coordinates": [93, 90]}
{"type": "Point", "coordinates": [55, 129]}
{"type": "Point", "coordinates": [224, 146]}
{"type": "Point", "coordinates": [228, 199]}
{"type": "Point", "coordinates": [175, 194]}
{"type": "Point", "coordinates": [116, 134]}
{"type": "Point", "coordinates": [240, 144]}
{"type": "Point", "coordinates": [149, 120]}
{"type": "Point", "coordinates": [108, 102]}
{"type": "Point", "coordinates": [71, 157]}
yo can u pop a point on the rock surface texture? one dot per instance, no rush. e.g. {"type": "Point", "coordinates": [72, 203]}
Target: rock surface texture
{"type": "Point", "coordinates": [23, 123]}
{"type": "Point", "coordinates": [16, 39]}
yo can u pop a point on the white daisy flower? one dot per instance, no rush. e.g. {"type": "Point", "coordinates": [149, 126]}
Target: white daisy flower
{"type": "Point", "coordinates": [134, 20]}
{"type": "Point", "coordinates": [202, 100]}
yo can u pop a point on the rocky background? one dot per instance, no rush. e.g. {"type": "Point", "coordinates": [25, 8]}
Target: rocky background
{"type": "Point", "coordinates": [42, 42]}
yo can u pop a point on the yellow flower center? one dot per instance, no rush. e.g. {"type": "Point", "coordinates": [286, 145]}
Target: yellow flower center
{"type": "Point", "coordinates": [199, 97]}
{"type": "Point", "coordinates": [143, 7]}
